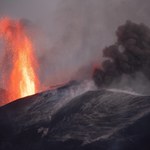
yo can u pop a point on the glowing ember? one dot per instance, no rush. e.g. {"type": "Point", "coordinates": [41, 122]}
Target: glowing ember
{"type": "Point", "coordinates": [22, 78]}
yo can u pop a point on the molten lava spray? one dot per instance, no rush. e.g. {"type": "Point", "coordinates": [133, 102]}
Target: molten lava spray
{"type": "Point", "coordinates": [22, 79]}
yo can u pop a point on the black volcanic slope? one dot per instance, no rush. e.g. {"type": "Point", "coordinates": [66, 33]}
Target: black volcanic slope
{"type": "Point", "coordinates": [60, 120]}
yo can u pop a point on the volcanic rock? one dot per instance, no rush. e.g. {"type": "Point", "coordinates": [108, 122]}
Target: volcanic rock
{"type": "Point", "coordinates": [89, 120]}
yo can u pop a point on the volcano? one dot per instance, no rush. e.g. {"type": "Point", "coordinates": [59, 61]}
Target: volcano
{"type": "Point", "coordinates": [67, 118]}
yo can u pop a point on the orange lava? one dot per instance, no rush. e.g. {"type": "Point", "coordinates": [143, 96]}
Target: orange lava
{"type": "Point", "coordinates": [22, 78]}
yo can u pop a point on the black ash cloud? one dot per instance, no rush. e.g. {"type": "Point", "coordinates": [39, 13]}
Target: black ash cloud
{"type": "Point", "coordinates": [129, 55]}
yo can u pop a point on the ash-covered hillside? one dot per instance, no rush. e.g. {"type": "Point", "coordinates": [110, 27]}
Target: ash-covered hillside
{"type": "Point", "coordinates": [69, 118]}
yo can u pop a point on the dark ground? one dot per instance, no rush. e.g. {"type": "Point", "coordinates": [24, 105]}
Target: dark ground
{"type": "Point", "coordinates": [95, 120]}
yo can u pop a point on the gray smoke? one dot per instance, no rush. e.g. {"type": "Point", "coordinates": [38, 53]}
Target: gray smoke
{"type": "Point", "coordinates": [129, 56]}
{"type": "Point", "coordinates": [69, 35]}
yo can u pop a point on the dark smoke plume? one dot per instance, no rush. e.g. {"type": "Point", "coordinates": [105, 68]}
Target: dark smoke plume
{"type": "Point", "coordinates": [129, 55]}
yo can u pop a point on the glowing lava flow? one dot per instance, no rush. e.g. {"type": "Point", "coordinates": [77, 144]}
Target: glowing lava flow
{"type": "Point", "coordinates": [22, 79]}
